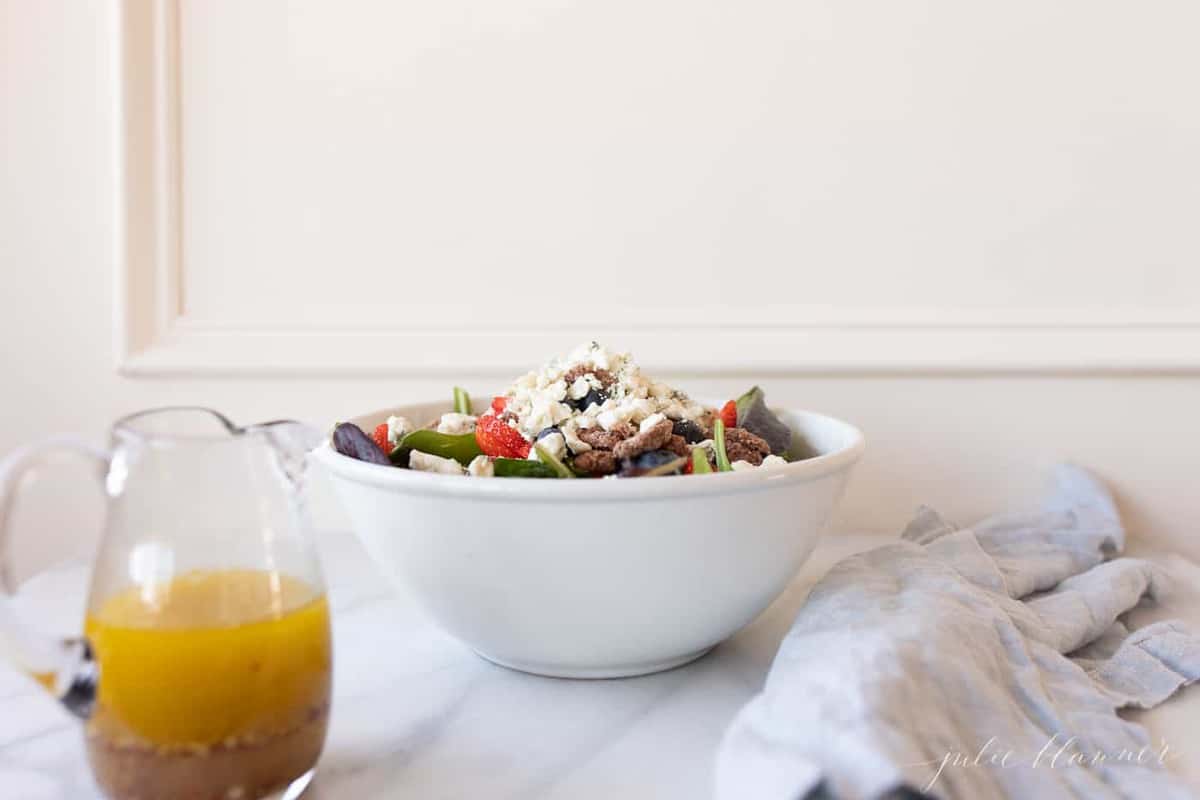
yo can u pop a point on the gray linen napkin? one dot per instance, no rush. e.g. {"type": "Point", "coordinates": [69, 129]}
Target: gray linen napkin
{"type": "Point", "coordinates": [935, 667]}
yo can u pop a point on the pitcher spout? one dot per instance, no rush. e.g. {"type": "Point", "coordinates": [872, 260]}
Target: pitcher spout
{"type": "Point", "coordinates": [291, 443]}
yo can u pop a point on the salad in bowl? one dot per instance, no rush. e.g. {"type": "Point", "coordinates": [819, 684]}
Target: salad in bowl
{"type": "Point", "coordinates": [592, 413]}
{"type": "Point", "coordinates": [563, 561]}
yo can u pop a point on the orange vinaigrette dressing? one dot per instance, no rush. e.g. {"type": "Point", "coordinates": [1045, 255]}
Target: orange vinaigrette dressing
{"type": "Point", "coordinates": [210, 657]}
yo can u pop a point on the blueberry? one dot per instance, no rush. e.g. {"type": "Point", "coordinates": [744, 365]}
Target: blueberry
{"type": "Point", "coordinates": [653, 458]}
{"type": "Point", "coordinates": [690, 431]}
{"type": "Point", "coordinates": [647, 461]}
{"type": "Point", "coordinates": [544, 432]}
{"type": "Point", "coordinates": [594, 395]}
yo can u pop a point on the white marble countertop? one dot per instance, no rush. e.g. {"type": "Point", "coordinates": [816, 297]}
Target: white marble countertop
{"type": "Point", "coordinates": [417, 715]}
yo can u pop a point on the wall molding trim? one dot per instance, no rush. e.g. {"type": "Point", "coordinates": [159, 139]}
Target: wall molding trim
{"type": "Point", "coordinates": [154, 336]}
{"type": "Point", "coordinates": [148, 302]}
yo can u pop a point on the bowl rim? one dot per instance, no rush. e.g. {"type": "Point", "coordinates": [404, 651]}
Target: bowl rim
{"type": "Point", "coordinates": [667, 486]}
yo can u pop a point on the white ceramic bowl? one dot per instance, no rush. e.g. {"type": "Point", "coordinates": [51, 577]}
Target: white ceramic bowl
{"type": "Point", "coordinates": [596, 578]}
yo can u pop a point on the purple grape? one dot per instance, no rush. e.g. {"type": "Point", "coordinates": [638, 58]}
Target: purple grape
{"type": "Point", "coordinates": [350, 440]}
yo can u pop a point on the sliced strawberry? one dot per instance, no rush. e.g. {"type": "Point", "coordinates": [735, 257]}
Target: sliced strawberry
{"type": "Point", "coordinates": [381, 438]}
{"type": "Point", "coordinates": [497, 439]}
{"type": "Point", "coordinates": [729, 414]}
{"type": "Point", "coordinates": [498, 403]}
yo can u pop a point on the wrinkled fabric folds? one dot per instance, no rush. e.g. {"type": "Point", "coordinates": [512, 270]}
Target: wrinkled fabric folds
{"type": "Point", "coordinates": [984, 662]}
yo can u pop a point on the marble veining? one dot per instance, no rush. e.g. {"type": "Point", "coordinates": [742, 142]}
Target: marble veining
{"type": "Point", "coordinates": [418, 715]}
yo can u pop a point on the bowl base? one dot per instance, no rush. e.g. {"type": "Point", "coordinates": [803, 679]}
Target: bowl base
{"type": "Point", "coordinates": [629, 670]}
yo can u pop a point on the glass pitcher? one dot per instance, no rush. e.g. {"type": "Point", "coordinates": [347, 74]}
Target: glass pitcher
{"type": "Point", "coordinates": [205, 666]}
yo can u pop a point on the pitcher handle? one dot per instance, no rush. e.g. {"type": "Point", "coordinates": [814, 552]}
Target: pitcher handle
{"type": "Point", "coordinates": [65, 667]}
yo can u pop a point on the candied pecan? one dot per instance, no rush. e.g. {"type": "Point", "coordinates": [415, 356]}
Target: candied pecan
{"type": "Point", "coordinates": [678, 445]}
{"type": "Point", "coordinates": [651, 439]}
{"type": "Point", "coordinates": [742, 445]}
{"type": "Point", "coordinates": [596, 462]}
{"type": "Point", "coordinates": [579, 370]}
{"type": "Point", "coordinates": [607, 440]}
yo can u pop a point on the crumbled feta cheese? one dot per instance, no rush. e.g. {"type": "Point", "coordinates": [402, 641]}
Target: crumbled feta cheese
{"type": "Point", "coordinates": [553, 443]}
{"type": "Point", "coordinates": [398, 427]}
{"type": "Point", "coordinates": [774, 461]}
{"type": "Point", "coordinates": [741, 466]}
{"type": "Point", "coordinates": [579, 388]}
{"type": "Point", "coordinates": [426, 462]}
{"type": "Point", "coordinates": [660, 391]}
{"type": "Point", "coordinates": [570, 432]}
{"type": "Point", "coordinates": [650, 421]}
{"type": "Point", "coordinates": [601, 357]}
{"type": "Point", "coordinates": [641, 409]}
{"type": "Point", "coordinates": [481, 467]}
{"type": "Point", "coordinates": [677, 410]}
{"type": "Point", "coordinates": [545, 413]}
{"type": "Point", "coordinates": [457, 424]}
{"type": "Point", "coordinates": [612, 417]}
{"type": "Point", "coordinates": [536, 399]}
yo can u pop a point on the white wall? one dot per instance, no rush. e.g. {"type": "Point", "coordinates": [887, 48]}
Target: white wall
{"type": "Point", "coordinates": [955, 206]}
